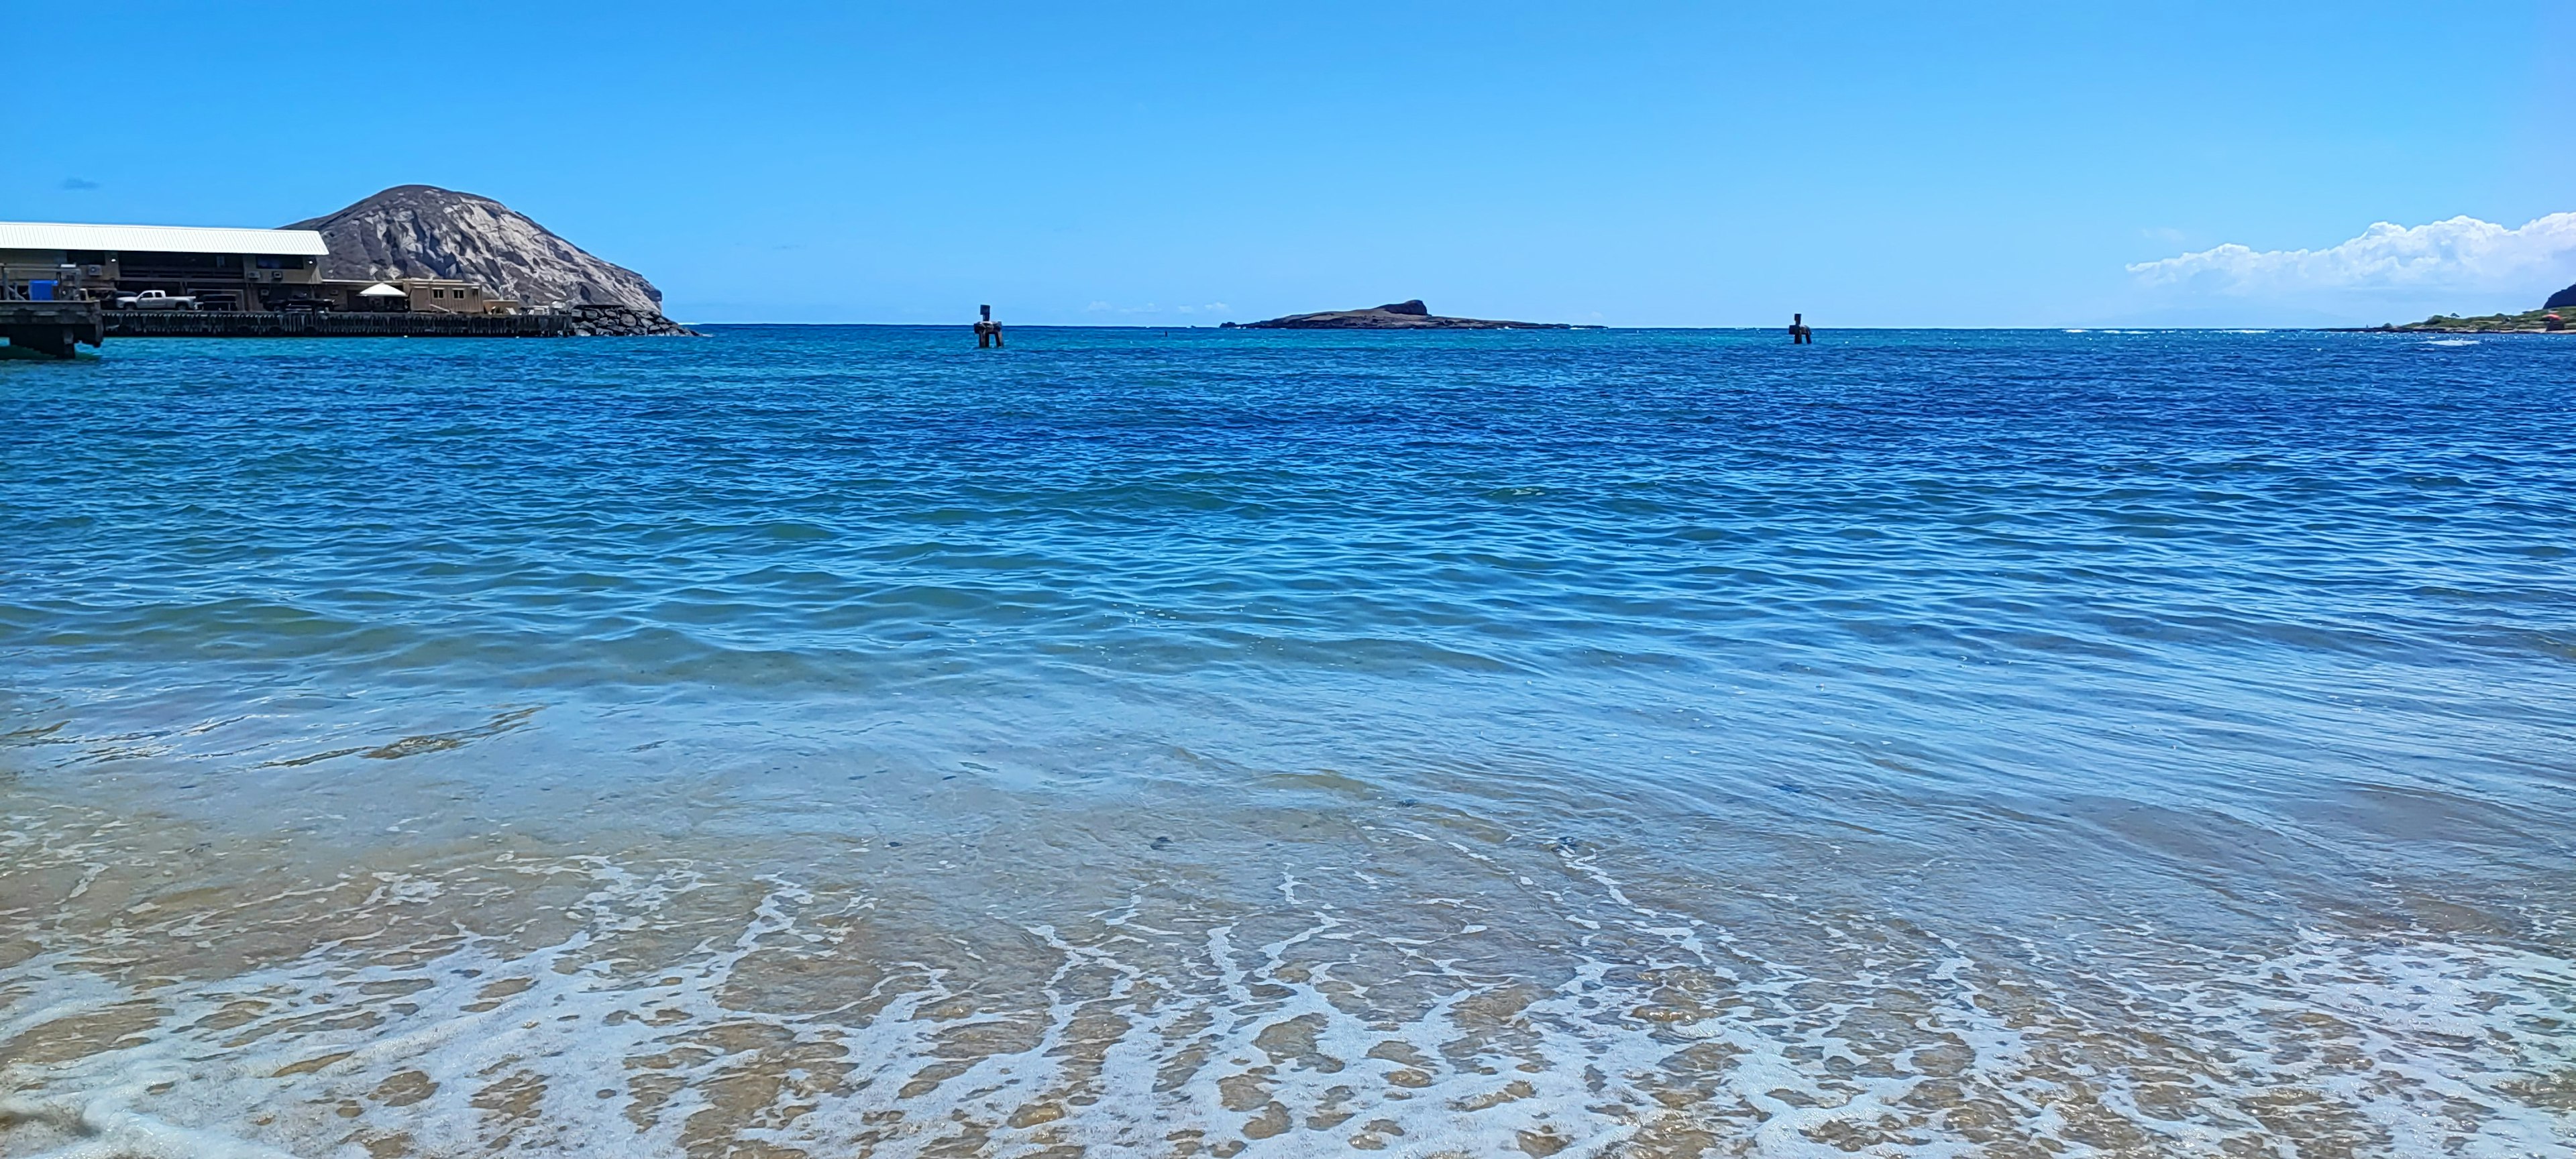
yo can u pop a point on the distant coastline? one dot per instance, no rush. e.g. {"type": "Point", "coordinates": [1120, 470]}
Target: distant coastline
{"type": "Point", "coordinates": [2542, 321]}
{"type": "Point", "coordinates": [2550, 318]}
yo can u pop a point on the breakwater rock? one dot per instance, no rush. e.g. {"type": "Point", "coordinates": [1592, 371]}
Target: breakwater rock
{"type": "Point", "coordinates": [1405, 315]}
{"type": "Point", "coordinates": [622, 322]}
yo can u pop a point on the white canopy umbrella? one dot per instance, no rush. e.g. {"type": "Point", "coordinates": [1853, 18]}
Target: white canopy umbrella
{"type": "Point", "coordinates": [381, 290]}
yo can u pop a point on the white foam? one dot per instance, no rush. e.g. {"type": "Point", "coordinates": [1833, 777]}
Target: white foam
{"type": "Point", "coordinates": [100, 1132]}
{"type": "Point", "coordinates": [2417, 1044]}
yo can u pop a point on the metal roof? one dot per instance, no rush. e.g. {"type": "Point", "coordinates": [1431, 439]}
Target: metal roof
{"type": "Point", "coordinates": [168, 239]}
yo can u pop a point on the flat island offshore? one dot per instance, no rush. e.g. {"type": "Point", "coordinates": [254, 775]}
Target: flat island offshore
{"type": "Point", "coordinates": [830, 741]}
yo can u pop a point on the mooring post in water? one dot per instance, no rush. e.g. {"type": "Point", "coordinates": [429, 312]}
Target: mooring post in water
{"type": "Point", "coordinates": [988, 333]}
{"type": "Point", "coordinates": [1799, 332]}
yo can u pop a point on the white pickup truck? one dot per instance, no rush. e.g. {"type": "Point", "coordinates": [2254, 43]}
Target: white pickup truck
{"type": "Point", "coordinates": [154, 300]}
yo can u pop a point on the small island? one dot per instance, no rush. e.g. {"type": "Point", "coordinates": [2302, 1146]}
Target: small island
{"type": "Point", "coordinates": [2545, 320]}
{"type": "Point", "coordinates": [1407, 315]}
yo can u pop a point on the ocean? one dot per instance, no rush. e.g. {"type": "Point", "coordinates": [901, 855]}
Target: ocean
{"type": "Point", "coordinates": [841, 741]}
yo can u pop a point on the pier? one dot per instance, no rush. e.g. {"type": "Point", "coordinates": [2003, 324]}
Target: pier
{"type": "Point", "coordinates": [51, 327]}
{"type": "Point", "coordinates": [319, 324]}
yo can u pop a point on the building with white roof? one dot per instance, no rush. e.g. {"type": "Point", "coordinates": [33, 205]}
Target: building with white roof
{"type": "Point", "coordinates": [243, 269]}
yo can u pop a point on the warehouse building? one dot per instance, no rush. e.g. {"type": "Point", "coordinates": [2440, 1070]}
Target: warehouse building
{"type": "Point", "coordinates": [221, 269]}
{"type": "Point", "coordinates": [224, 269]}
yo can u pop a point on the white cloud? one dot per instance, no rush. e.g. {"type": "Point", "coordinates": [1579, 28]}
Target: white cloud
{"type": "Point", "coordinates": [2462, 253]}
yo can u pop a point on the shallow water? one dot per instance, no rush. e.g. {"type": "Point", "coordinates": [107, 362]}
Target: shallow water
{"type": "Point", "coordinates": [841, 741]}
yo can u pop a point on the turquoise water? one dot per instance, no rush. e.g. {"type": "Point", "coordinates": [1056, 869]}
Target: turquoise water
{"type": "Point", "coordinates": [841, 740]}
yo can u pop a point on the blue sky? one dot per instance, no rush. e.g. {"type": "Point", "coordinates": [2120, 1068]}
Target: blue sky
{"type": "Point", "coordinates": [1880, 164]}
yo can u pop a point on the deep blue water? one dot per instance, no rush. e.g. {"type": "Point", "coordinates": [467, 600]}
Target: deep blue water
{"type": "Point", "coordinates": [2227, 640]}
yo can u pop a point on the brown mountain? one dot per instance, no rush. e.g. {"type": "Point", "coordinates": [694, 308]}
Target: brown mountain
{"type": "Point", "coordinates": [422, 231]}
{"type": "Point", "coordinates": [1407, 315]}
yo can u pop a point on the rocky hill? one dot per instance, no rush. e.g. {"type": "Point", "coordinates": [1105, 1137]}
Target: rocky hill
{"type": "Point", "coordinates": [1406, 315]}
{"type": "Point", "coordinates": [422, 231]}
{"type": "Point", "coordinates": [2561, 300]}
